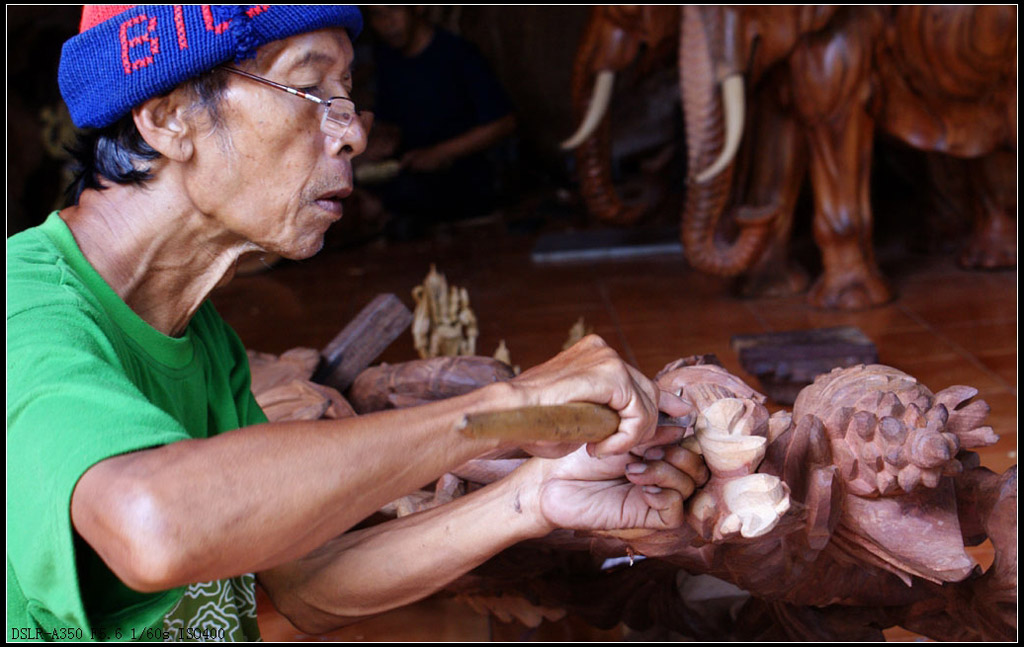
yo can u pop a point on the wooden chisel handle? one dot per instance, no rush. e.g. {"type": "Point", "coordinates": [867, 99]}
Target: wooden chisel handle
{"type": "Point", "coordinates": [576, 422]}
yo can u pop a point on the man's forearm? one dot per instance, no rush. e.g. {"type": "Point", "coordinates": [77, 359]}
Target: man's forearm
{"type": "Point", "coordinates": [477, 139]}
{"type": "Point", "coordinates": [255, 498]}
{"type": "Point", "coordinates": [399, 562]}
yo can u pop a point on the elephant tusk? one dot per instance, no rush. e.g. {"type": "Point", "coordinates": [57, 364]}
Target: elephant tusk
{"type": "Point", "coordinates": [596, 111]}
{"type": "Point", "coordinates": [732, 106]}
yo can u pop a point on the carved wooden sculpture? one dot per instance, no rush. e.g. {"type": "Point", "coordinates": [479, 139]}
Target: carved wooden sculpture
{"type": "Point", "coordinates": [847, 516]}
{"type": "Point", "coordinates": [613, 39]}
{"type": "Point", "coordinates": [940, 78]}
{"type": "Point", "coordinates": [285, 390]}
{"type": "Point", "coordinates": [393, 386]}
{"type": "Point", "coordinates": [443, 322]}
{"type": "Point", "coordinates": [875, 464]}
{"type": "Point", "coordinates": [578, 331]}
{"type": "Point", "coordinates": [980, 196]}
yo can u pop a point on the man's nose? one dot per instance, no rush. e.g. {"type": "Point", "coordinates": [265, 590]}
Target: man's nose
{"type": "Point", "coordinates": [354, 140]}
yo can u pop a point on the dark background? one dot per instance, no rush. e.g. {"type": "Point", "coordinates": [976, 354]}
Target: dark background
{"type": "Point", "coordinates": [531, 49]}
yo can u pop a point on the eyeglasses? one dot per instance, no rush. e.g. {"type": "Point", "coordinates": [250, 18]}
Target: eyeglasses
{"type": "Point", "coordinates": [337, 113]}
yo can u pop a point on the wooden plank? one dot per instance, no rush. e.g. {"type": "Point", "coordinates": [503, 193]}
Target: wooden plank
{"type": "Point", "coordinates": [362, 341]}
{"type": "Point", "coordinates": [786, 362]}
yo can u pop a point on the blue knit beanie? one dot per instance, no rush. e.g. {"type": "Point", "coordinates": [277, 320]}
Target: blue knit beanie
{"type": "Point", "coordinates": [126, 54]}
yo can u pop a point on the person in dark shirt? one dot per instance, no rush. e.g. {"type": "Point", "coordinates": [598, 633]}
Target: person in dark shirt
{"type": "Point", "coordinates": [440, 112]}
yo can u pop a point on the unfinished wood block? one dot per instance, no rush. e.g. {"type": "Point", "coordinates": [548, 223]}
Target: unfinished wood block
{"type": "Point", "coordinates": [362, 341]}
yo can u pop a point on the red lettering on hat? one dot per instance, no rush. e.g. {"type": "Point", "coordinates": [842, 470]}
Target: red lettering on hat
{"type": "Point", "coordinates": [94, 14]}
{"type": "Point", "coordinates": [208, 17]}
{"type": "Point", "coordinates": [179, 26]}
{"type": "Point", "coordinates": [128, 43]}
{"type": "Point", "coordinates": [256, 10]}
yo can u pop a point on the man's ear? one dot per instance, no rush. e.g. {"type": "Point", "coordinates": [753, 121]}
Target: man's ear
{"type": "Point", "coordinates": [162, 123]}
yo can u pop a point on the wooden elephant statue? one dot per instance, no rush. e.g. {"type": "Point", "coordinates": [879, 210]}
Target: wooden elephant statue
{"type": "Point", "coordinates": [938, 78]}
{"type": "Point", "coordinates": [613, 39]}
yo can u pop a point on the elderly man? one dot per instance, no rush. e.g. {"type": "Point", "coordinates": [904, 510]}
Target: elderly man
{"type": "Point", "coordinates": [145, 486]}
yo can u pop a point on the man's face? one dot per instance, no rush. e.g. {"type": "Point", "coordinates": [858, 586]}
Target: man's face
{"type": "Point", "coordinates": [392, 24]}
{"type": "Point", "coordinates": [266, 172]}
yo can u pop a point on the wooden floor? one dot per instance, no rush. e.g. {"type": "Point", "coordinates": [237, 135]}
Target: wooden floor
{"type": "Point", "coordinates": [947, 326]}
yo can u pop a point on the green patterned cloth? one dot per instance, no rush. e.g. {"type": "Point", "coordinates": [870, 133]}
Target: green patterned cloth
{"type": "Point", "coordinates": [215, 611]}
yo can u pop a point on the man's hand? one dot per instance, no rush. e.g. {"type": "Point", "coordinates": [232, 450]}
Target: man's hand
{"type": "Point", "coordinates": [590, 371]}
{"type": "Point", "coordinates": [444, 154]}
{"type": "Point", "coordinates": [426, 160]}
{"type": "Point", "coordinates": [581, 492]}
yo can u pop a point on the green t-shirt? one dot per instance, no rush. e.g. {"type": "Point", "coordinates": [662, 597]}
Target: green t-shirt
{"type": "Point", "coordinates": [88, 379]}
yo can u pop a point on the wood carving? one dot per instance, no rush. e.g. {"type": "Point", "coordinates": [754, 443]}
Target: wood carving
{"type": "Point", "coordinates": [390, 386]}
{"type": "Point", "coordinates": [939, 78]}
{"type": "Point", "coordinates": [615, 36]}
{"type": "Point", "coordinates": [578, 331]}
{"type": "Point", "coordinates": [285, 390]}
{"type": "Point", "coordinates": [304, 384]}
{"type": "Point", "coordinates": [979, 197]}
{"type": "Point", "coordinates": [848, 515]}
{"type": "Point", "coordinates": [443, 324]}
{"type": "Point", "coordinates": [503, 355]}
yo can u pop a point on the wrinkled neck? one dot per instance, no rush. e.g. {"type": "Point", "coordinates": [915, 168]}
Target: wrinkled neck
{"type": "Point", "coordinates": [162, 258]}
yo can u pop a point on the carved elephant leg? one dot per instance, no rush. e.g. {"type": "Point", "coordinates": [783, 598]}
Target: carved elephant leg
{"type": "Point", "coordinates": [840, 132]}
{"type": "Point", "coordinates": [993, 241]}
{"type": "Point", "coordinates": [843, 221]}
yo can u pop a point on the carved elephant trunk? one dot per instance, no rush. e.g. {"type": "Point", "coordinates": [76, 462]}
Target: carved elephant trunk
{"type": "Point", "coordinates": [700, 71]}
{"type": "Point", "coordinates": [609, 43]}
